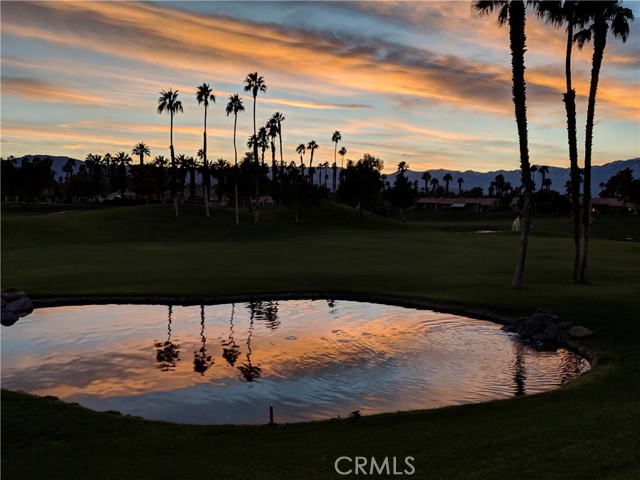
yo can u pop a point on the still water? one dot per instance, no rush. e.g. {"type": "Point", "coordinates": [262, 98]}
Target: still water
{"type": "Point", "coordinates": [309, 359]}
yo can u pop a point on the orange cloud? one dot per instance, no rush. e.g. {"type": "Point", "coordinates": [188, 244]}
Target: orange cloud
{"type": "Point", "coordinates": [40, 91]}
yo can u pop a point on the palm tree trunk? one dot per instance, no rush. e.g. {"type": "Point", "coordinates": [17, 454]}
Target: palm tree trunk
{"type": "Point", "coordinates": [273, 164]}
{"type": "Point", "coordinates": [257, 163]}
{"type": "Point", "coordinates": [205, 172]}
{"type": "Point", "coordinates": [173, 172]}
{"type": "Point", "coordinates": [335, 162]}
{"type": "Point", "coordinates": [599, 44]}
{"type": "Point", "coordinates": [280, 137]}
{"type": "Point", "coordinates": [569, 99]}
{"type": "Point", "coordinates": [235, 150]}
{"type": "Point", "coordinates": [517, 39]}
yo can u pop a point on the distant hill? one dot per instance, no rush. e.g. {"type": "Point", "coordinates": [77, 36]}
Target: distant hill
{"type": "Point", "coordinates": [558, 176]}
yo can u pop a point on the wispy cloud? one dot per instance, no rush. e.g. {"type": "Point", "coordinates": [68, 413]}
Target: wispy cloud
{"type": "Point", "coordinates": [41, 91]}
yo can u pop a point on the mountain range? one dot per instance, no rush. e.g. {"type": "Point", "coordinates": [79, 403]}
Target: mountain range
{"type": "Point", "coordinates": [471, 178]}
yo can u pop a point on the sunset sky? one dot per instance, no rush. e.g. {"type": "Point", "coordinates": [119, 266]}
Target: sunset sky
{"type": "Point", "coordinates": [428, 83]}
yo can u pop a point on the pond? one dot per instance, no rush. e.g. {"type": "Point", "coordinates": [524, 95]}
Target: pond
{"type": "Point", "coordinates": [308, 359]}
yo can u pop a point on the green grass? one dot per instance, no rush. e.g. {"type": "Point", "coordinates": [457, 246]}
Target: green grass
{"type": "Point", "coordinates": [587, 430]}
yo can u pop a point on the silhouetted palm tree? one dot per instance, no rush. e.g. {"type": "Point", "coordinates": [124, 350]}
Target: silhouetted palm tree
{"type": "Point", "coordinates": [123, 160]}
{"type": "Point", "coordinates": [572, 14]}
{"type": "Point", "coordinates": [254, 83]}
{"type": "Point", "coordinates": [279, 118]}
{"type": "Point", "coordinates": [426, 176]}
{"type": "Point", "coordinates": [68, 168]}
{"type": "Point", "coordinates": [342, 152]}
{"type": "Point", "coordinates": [312, 145]}
{"type": "Point", "coordinates": [160, 163]}
{"type": "Point", "coordinates": [301, 149]}
{"type": "Point", "coordinates": [234, 106]}
{"type": "Point", "coordinates": [543, 170]}
{"type": "Point", "coordinates": [272, 134]}
{"type": "Point", "coordinates": [605, 16]}
{"type": "Point", "coordinates": [94, 165]}
{"type": "Point", "coordinates": [168, 101]}
{"type": "Point", "coordinates": [335, 138]}
{"type": "Point", "coordinates": [434, 183]}
{"type": "Point", "coordinates": [190, 165]}
{"type": "Point", "coordinates": [204, 94]}
{"type": "Point", "coordinates": [107, 158]}
{"type": "Point", "coordinates": [513, 13]}
{"type": "Point", "coordinates": [460, 182]}
{"type": "Point", "coordinates": [447, 178]}
{"type": "Point", "coordinates": [141, 150]}
{"type": "Point", "coordinates": [263, 142]}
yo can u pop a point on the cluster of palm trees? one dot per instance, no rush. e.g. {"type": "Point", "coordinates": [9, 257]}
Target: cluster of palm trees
{"type": "Point", "coordinates": [593, 21]}
{"type": "Point", "coordinates": [262, 139]}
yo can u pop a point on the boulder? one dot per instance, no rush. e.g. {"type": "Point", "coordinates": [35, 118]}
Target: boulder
{"type": "Point", "coordinates": [11, 295]}
{"type": "Point", "coordinates": [579, 331]}
{"type": "Point", "coordinates": [21, 307]}
{"type": "Point", "coordinates": [535, 324]}
{"type": "Point", "coordinates": [550, 333]}
{"type": "Point", "coordinates": [8, 317]}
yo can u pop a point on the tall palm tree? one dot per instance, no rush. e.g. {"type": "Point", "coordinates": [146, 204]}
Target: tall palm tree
{"type": "Point", "coordinates": [335, 138]}
{"type": "Point", "coordinates": [263, 142]}
{"type": "Point", "coordinates": [254, 83]}
{"type": "Point", "coordinates": [279, 118]}
{"type": "Point", "coordinates": [573, 14]}
{"type": "Point", "coordinates": [107, 158]}
{"type": "Point", "coordinates": [272, 133]}
{"type": "Point", "coordinates": [342, 152]}
{"type": "Point", "coordinates": [204, 95]}
{"type": "Point", "coordinates": [300, 150]}
{"type": "Point", "coordinates": [512, 12]}
{"type": "Point", "coordinates": [312, 145]}
{"type": "Point", "coordinates": [168, 102]}
{"type": "Point", "coordinates": [141, 150]}
{"type": "Point", "coordinates": [605, 16]}
{"type": "Point", "coordinates": [234, 106]}
{"type": "Point", "coordinates": [460, 182]}
{"type": "Point", "coordinates": [447, 178]}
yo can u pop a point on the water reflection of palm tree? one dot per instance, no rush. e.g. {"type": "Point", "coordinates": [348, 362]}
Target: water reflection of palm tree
{"type": "Point", "coordinates": [519, 370]}
{"type": "Point", "coordinates": [201, 361]}
{"type": "Point", "coordinates": [167, 353]}
{"type": "Point", "coordinates": [230, 351]}
{"type": "Point", "coordinates": [267, 311]}
{"type": "Point", "coordinates": [249, 371]}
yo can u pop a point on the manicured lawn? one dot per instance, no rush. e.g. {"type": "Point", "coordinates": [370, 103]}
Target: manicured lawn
{"type": "Point", "coordinates": [588, 429]}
